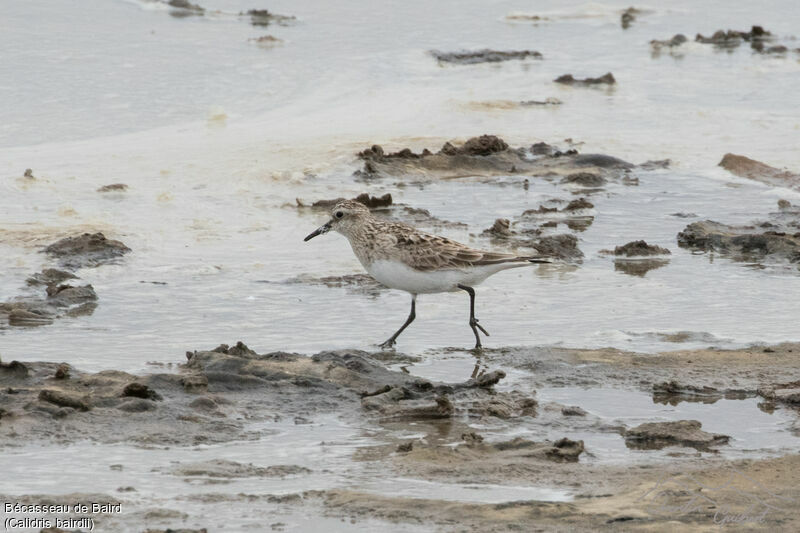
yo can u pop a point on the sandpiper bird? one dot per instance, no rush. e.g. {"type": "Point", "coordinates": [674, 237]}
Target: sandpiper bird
{"type": "Point", "coordinates": [402, 257]}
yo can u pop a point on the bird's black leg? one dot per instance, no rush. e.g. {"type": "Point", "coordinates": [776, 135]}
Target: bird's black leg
{"type": "Point", "coordinates": [411, 316]}
{"type": "Point", "coordinates": [473, 322]}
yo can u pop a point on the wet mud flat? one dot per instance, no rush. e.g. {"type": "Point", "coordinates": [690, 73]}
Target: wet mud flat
{"type": "Point", "coordinates": [492, 452]}
{"type": "Point", "coordinates": [517, 436]}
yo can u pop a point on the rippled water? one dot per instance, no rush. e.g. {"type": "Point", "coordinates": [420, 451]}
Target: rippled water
{"type": "Point", "coordinates": [216, 137]}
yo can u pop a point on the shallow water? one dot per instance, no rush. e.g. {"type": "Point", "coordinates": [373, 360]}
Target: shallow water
{"type": "Point", "coordinates": [750, 428]}
{"type": "Point", "coordinates": [753, 431]}
{"type": "Point", "coordinates": [216, 137]}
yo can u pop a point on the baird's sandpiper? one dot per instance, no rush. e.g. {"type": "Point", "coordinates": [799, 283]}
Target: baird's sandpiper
{"type": "Point", "coordinates": [402, 257]}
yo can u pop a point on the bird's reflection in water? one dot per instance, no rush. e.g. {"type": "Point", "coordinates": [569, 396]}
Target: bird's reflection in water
{"type": "Point", "coordinates": [480, 367]}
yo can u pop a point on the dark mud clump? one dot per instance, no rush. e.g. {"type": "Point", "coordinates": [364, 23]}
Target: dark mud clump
{"type": "Point", "coordinates": [568, 79]}
{"type": "Point", "coordinates": [184, 8]}
{"type": "Point", "coordinates": [563, 246]}
{"type": "Point", "coordinates": [61, 300]}
{"type": "Point", "coordinates": [560, 451]}
{"type": "Point", "coordinates": [373, 202]}
{"type": "Point", "coordinates": [673, 392]}
{"type": "Point", "coordinates": [658, 435]}
{"type": "Point", "coordinates": [761, 48]}
{"type": "Point", "coordinates": [576, 215]}
{"type": "Point", "coordinates": [87, 250]}
{"type": "Point", "coordinates": [638, 249]}
{"type": "Point", "coordinates": [655, 164]}
{"type": "Point", "coordinates": [402, 404]}
{"type": "Point", "coordinates": [69, 295]}
{"type": "Point", "coordinates": [376, 152]}
{"type": "Point", "coordinates": [784, 393]}
{"type": "Point", "coordinates": [114, 187]}
{"type": "Point", "coordinates": [755, 170]}
{"type": "Point", "coordinates": [628, 17]}
{"type": "Point", "coordinates": [483, 56]}
{"type": "Point", "coordinates": [419, 217]}
{"type": "Point", "coordinates": [386, 208]}
{"type": "Point", "coordinates": [266, 41]}
{"type": "Point", "coordinates": [501, 229]}
{"type": "Point", "coordinates": [747, 243]}
{"type": "Point", "coordinates": [542, 148]}
{"type": "Point", "coordinates": [264, 17]}
{"type": "Point", "coordinates": [50, 276]}
{"type": "Point", "coordinates": [601, 161]}
{"type": "Point", "coordinates": [139, 390]}
{"type": "Point", "coordinates": [64, 399]}
{"type": "Point", "coordinates": [758, 38]}
{"type": "Point", "coordinates": [733, 38]}
{"type": "Point", "coordinates": [676, 40]}
{"type": "Point", "coordinates": [636, 258]}
{"type": "Point", "coordinates": [483, 145]}
{"type": "Point", "coordinates": [420, 400]}
{"type": "Point", "coordinates": [25, 315]}
{"type": "Point", "coordinates": [485, 156]}
{"type": "Point", "coordinates": [584, 179]}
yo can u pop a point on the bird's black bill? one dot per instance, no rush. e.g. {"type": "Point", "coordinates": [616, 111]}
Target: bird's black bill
{"type": "Point", "coordinates": [322, 230]}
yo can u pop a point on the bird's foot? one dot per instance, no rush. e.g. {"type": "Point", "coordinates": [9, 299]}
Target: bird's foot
{"type": "Point", "coordinates": [387, 344]}
{"type": "Point", "coordinates": [474, 324]}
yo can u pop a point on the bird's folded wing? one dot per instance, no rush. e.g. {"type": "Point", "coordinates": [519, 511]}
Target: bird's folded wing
{"type": "Point", "coordinates": [430, 252]}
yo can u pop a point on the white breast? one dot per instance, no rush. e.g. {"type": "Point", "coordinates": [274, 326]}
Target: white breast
{"type": "Point", "coordinates": [397, 275]}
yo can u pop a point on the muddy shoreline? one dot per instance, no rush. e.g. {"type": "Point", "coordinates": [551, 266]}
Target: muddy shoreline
{"type": "Point", "coordinates": [222, 395]}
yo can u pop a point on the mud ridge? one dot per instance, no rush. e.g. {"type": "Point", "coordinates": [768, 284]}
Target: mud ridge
{"type": "Point", "coordinates": [472, 57]}
{"type": "Point", "coordinates": [745, 167]}
{"type": "Point", "coordinates": [384, 206]}
{"type": "Point", "coordinates": [218, 392]}
{"type": "Point", "coordinates": [486, 156]}
{"type": "Point", "coordinates": [763, 242]}
{"type": "Point", "coordinates": [569, 79]}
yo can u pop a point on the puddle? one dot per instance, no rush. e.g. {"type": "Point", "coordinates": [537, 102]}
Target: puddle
{"type": "Point", "coordinates": [324, 446]}
{"type": "Point", "coordinates": [753, 432]}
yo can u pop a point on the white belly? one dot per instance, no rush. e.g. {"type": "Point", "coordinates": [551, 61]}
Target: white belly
{"type": "Point", "coordinates": [397, 275]}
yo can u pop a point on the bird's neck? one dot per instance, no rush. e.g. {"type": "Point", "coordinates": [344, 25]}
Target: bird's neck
{"type": "Point", "coordinates": [362, 240]}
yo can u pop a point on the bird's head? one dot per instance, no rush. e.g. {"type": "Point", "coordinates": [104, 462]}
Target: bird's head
{"type": "Point", "coordinates": [346, 217]}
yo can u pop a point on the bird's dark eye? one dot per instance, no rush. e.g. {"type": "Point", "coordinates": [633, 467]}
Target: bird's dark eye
{"type": "Point", "coordinates": [339, 214]}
